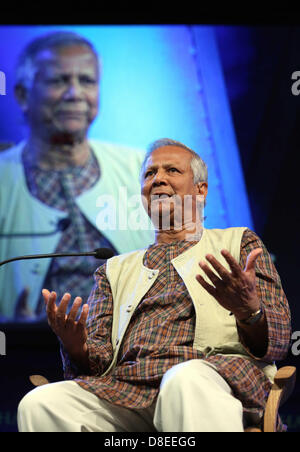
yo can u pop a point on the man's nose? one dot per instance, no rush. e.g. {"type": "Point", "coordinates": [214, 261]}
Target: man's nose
{"type": "Point", "coordinates": [73, 90]}
{"type": "Point", "coordinates": [159, 179]}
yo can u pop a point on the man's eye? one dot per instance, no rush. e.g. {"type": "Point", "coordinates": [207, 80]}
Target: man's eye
{"type": "Point", "coordinates": [173, 170]}
{"type": "Point", "coordinates": [54, 81]}
{"type": "Point", "coordinates": [148, 173]}
{"type": "Point", "coordinates": [87, 80]}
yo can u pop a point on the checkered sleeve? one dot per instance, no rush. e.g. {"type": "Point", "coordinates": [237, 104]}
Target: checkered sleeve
{"type": "Point", "coordinates": [273, 299]}
{"type": "Point", "coordinates": [99, 324]}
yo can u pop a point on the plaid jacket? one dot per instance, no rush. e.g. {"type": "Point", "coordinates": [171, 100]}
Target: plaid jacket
{"type": "Point", "coordinates": [161, 332]}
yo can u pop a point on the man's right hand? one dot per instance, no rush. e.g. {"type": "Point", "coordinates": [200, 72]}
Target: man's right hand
{"type": "Point", "coordinates": [71, 332]}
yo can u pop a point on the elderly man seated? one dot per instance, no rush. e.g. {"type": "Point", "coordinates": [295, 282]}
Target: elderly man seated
{"type": "Point", "coordinates": [179, 337]}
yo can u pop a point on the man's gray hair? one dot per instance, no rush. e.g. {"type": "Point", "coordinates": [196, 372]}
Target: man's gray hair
{"type": "Point", "coordinates": [198, 166]}
{"type": "Point", "coordinates": [26, 67]}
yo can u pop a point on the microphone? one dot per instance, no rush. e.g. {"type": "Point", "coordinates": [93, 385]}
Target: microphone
{"type": "Point", "coordinates": [99, 253]}
{"type": "Point", "coordinates": [61, 226]}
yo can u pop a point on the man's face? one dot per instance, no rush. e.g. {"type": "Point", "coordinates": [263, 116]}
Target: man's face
{"type": "Point", "coordinates": [168, 187]}
{"type": "Point", "coordinates": [63, 99]}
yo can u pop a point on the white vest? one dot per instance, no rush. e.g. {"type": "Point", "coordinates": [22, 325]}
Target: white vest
{"type": "Point", "coordinates": [215, 329]}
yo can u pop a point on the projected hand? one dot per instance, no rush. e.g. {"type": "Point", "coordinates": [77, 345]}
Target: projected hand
{"type": "Point", "coordinates": [22, 308]}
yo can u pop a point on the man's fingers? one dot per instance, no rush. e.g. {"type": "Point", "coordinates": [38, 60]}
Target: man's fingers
{"type": "Point", "coordinates": [210, 289]}
{"type": "Point", "coordinates": [46, 295]}
{"type": "Point", "coordinates": [211, 274]}
{"type": "Point", "coordinates": [234, 266]}
{"type": "Point", "coordinates": [74, 310]}
{"type": "Point", "coordinates": [62, 308]}
{"type": "Point", "coordinates": [251, 259]}
{"type": "Point", "coordinates": [50, 298]}
{"type": "Point", "coordinates": [83, 316]}
{"type": "Point", "coordinates": [221, 270]}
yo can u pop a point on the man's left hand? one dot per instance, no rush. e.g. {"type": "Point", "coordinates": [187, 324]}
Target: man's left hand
{"type": "Point", "coordinates": [235, 290]}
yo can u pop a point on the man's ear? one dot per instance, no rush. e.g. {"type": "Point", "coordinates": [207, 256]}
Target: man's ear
{"type": "Point", "coordinates": [202, 188]}
{"type": "Point", "coordinates": [21, 94]}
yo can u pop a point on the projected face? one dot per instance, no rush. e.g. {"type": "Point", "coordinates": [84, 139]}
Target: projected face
{"type": "Point", "coordinates": [63, 101]}
{"type": "Point", "coordinates": [168, 188]}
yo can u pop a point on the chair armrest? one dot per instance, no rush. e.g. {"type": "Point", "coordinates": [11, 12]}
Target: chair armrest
{"type": "Point", "coordinates": [282, 388]}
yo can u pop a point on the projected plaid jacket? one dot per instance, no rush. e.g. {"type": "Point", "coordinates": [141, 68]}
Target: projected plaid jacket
{"type": "Point", "coordinates": [161, 333]}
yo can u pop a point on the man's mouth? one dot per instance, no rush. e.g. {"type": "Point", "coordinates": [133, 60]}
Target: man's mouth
{"type": "Point", "coordinates": [162, 199]}
{"type": "Point", "coordinates": [71, 113]}
{"type": "Point", "coordinates": [161, 195]}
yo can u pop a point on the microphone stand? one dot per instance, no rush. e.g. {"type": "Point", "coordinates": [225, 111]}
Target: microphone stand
{"type": "Point", "coordinates": [99, 253]}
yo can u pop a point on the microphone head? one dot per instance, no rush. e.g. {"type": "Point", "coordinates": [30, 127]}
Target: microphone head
{"type": "Point", "coordinates": [104, 253]}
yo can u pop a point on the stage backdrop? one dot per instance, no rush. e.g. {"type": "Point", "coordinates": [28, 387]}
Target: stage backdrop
{"type": "Point", "coordinates": [158, 81]}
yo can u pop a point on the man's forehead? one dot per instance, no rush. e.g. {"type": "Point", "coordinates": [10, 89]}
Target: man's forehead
{"type": "Point", "coordinates": [66, 56]}
{"type": "Point", "coordinates": [169, 154]}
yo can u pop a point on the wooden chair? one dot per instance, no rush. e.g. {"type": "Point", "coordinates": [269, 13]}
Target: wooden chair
{"type": "Point", "coordinates": [283, 386]}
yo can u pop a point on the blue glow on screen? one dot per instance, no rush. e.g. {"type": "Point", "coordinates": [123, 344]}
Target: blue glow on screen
{"type": "Point", "coordinates": [158, 81]}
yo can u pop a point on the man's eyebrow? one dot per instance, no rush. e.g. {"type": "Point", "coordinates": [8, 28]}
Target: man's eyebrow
{"type": "Point", "coordinates": [165, 165]}
{"type": "Point", "coordinates": [59, 70]}
{"type": "Point", "coordinates": [147, 168]}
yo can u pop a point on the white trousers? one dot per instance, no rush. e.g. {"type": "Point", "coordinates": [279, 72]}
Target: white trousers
{"type": "Point", "coordinates": [193, 397]}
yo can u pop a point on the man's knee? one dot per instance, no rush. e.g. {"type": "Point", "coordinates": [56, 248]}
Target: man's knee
{"type": "Point", "coordinates": [183, 374]}
{"type": "Point", "coordinates": [30, 407]}
{"type": "Point", "coordinates": [38, 405]}
{"type": "Point", "coordinates": [30, 401]}
{"type": "Point", "coordinates": [194, 397]}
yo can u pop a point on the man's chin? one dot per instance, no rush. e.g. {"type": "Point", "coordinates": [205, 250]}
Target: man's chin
{"type": "Point", "coordinates": [161, 220]}
{"type": "Point", "coordinates": [67, 137]}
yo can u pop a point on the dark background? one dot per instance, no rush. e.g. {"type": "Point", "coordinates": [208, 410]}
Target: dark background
{"type": "Point", "coordinates": [266, 117]}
